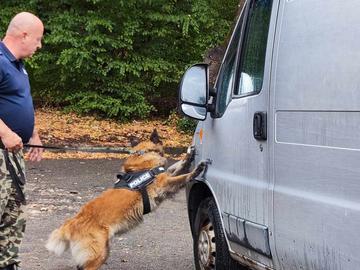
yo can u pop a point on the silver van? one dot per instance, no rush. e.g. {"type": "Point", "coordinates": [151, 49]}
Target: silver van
{"type": "Point", "coordinates": [281, 132]}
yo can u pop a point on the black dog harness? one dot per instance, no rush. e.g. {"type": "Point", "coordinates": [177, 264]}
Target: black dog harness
{"type": "Point", "coordinates": [139, 181]}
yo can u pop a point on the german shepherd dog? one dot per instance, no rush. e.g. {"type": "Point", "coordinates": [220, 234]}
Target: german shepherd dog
{"type": "Point", "coordinates": [116, 211]}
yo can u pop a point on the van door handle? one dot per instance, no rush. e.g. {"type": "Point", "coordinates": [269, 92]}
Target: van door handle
{"type": "Point", "coordinates": [259, 126]}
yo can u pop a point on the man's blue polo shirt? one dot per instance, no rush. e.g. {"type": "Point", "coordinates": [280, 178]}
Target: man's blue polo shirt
{"type": "Point", "coordinates": [16, 104]}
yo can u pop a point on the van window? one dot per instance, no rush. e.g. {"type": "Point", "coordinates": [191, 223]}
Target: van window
{"type": "Point", "coordinates": [225, 80]}
{"type": "Point", "coordinates": [252, 59]}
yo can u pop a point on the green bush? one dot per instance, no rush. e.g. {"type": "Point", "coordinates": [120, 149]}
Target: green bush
{"type": "Point", "coordinates": [182, 123]}
{"type": "Point", "coordinates": [119, 58]}
{"type": "Point", "coordinates": [186, 125]}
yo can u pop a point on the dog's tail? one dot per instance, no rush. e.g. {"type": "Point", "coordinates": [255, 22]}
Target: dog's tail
{"type": "Point", "coordinates": [58, 242]}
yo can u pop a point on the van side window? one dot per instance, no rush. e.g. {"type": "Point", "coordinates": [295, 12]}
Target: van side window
{"type": "Point", "coordinates": [225, 80]}
{"type": "Point", "coordinates": [252, 58]}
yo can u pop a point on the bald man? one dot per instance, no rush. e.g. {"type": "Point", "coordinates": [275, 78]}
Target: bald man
{"type": "Point", "coordinates": [17, 126]}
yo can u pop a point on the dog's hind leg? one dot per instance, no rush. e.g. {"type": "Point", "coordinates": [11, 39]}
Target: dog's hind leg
{"type": "Point", "coordinates": [98, 251]}
{"type": "Point", "coordinates": [98, 259]}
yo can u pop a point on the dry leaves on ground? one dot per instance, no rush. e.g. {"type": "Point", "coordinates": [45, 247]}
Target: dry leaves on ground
{"type": "Point", "coordinates": [68, 129]}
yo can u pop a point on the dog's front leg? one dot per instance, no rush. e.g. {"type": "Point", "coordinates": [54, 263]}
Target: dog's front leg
{"type": "Point", "coordinates": [178, 168]}
{"type": "Point", "coordinates": [183, 178]}
{"type": "Point", "coordinates": [199, 169]}
{"type": "Point", "coordinates": [183, 166]}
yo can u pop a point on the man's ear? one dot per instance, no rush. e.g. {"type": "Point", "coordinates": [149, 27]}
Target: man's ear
{"type": "Point", "coordinates": [24, 34]}
{"type": "Point", "coordinates": [154, 137]}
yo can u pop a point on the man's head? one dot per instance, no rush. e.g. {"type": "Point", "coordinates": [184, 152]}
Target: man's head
{"type": "Point", "coordinates": [24, 34]}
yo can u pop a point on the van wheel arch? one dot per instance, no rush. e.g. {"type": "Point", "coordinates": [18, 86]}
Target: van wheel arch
{"type": "Point", "coordinates": [198, 193]}
{"type": "Point", "coordinates": [210, 247]}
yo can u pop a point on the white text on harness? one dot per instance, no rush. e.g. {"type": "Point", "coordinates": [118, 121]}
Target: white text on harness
{"type": "Point", "coordinates": [141, 179]}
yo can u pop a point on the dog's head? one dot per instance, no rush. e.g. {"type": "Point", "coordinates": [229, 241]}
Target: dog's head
{"type": "Point", "coordinates": [150, 154]}
{"type": "Point", "coordinates": [154, 144]}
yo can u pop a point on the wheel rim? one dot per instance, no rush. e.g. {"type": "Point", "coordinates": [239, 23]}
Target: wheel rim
{"type": "Point", "coordinates": [206, 247]}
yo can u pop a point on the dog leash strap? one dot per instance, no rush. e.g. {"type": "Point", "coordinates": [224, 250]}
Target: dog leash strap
{"type": "Point", "coordinates": [97, 149]}
{"type": "Point", "coordinates": [21, 172]}
{"type": "Point", "coordinates": [146, 201]}
{"type": "Point", "coordinates": [100, 149]}
{"type": "Point", "coordinates": [15, 178]}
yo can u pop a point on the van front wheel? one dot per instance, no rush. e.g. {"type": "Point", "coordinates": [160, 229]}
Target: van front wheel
{"type": "Point", "coordinates": [210, 248]}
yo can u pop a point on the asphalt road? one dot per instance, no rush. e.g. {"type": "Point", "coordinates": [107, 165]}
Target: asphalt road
{"type": "Point", "coordinates": [56, 189]}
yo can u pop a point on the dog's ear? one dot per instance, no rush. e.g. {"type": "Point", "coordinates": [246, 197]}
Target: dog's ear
{"type": "Point", "coordinates": [154, 137]}
{"type": "Point", "coordinates": [134, 141]}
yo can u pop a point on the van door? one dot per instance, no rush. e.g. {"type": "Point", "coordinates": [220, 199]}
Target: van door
{"type": "Point", "coordinates": [239, 173]}
{"type": "Point", "coordinates": [316, 107]}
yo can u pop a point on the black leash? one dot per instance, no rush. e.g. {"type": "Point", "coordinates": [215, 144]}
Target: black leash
{"type": "Point", "coordinates": [18, 181]}
{"type": "Point", "coordinates": [101, 149]}
{"type": "Point", "coordinates": [97, 149]}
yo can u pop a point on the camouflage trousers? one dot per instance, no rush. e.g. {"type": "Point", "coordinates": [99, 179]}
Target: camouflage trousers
{"type": "Point", "coordinates": [12, 219]}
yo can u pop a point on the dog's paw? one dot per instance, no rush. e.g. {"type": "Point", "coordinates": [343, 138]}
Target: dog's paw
{"type": "Point", "coordinates": [183, 166]}
{"type": "Point", "coordinates": [190, 153]}
{"type": "Point", "coordinates": [189, 158]}
{"type": "Point", "coordinates": [199, 168]}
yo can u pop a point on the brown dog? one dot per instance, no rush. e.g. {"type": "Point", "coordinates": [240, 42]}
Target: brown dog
{"type": "Point", "coordinates": [116, 211]}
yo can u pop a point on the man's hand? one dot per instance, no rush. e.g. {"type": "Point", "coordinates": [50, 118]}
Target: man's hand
{"type": "Point", "coordinates": [11, 141]}
{"type": "Point", "coordinates": [35, 154]}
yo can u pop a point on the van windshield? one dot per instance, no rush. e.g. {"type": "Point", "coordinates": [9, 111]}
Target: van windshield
{"type": "Point", "coordinates": [225, 81]}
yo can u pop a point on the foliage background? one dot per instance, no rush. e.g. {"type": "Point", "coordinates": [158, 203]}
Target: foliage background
{"type": "Point", "coordinates": [120, 59]}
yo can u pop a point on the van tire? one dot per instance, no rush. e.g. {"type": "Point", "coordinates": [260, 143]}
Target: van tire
{"type": "Point", "coordinates": [210, 247]}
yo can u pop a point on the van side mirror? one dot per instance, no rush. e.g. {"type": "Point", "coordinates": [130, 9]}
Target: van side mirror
{"type": "Point", "coordinates": [194, 92]}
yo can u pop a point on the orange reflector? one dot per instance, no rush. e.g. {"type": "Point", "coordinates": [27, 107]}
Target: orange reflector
{"type": "Point", "coordinates": [201, 134]}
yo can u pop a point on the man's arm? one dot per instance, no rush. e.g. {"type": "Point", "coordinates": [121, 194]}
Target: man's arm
{"type": "Point", "coordinates": [10, 139]}
{"type": "Point", "coordinates": [35, 154]}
